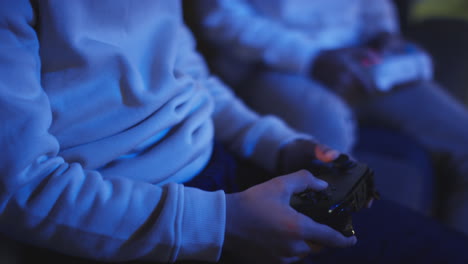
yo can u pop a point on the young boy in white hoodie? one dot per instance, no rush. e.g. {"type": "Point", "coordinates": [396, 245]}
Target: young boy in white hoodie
{"type": "Point", "coordinates": [316, 64]}
{"type": "Point", "coordinates": [108, 115]}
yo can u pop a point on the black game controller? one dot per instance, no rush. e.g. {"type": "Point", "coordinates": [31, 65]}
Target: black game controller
{"type": "Point", "coordinates": [350, 188]}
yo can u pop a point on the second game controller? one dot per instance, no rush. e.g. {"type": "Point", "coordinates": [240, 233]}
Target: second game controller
{"type": "Point", "coordinates": [406, 65]}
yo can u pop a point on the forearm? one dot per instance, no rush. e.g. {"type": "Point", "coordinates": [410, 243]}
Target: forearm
{"type": "Point", "coordinates": [251, 136]}
{"type": "Point", "coordinates": [235, 26]}
{"type": "Point", "coordinates": [377, 17]}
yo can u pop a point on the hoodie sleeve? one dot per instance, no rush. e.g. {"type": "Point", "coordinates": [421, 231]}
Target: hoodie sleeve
{"type": "Point", "coordinates": [50, 203]}
{"type": "Point", "coordinates": [254, 37]}
{"type": "Point", "coordinates": [247, 134]}
{"type": "Point", "coordinates": [378, 16]}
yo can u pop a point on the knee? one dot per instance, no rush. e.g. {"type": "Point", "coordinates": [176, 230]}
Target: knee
{"type": "Point", "coordinates": [327, 117]}
{"type": "Point", "coordinates": [306, 106]}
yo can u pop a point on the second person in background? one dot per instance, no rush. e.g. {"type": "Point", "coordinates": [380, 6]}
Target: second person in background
{"type": "Point", "coordinates": [322, 65]}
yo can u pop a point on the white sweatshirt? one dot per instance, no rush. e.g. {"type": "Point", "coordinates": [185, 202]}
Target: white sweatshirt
{"type": "Point", "coordinates": [105, 110]}
{"type": "Point", "coordinates": [288, 34]}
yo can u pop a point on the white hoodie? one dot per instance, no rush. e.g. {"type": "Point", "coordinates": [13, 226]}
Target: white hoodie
{"type": "Point", "coordinates": [105, 110]}
{"type": "Point", "coordinates": [287, 35]}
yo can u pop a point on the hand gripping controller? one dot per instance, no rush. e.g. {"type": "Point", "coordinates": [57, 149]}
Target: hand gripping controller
{"type": "Point", "coordinates": [350, 187]}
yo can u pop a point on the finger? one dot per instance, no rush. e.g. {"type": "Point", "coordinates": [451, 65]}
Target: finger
{"type": "Point", "coordinates": [369, 58]}
{"type": "Point", "coordinates": [302, 250]}
{"type": "Point", "coordinates": [293, 259]}
{"type": "Point", "coordinates": [327, 236]}
{"type": "Point", "coordinates": [373, 56]}
{"type": "Point", "coordinates": [302, 180]}
{"type": "Point", "coordinates": [325, 153]}
{"type": "Point", "coordinates": [314, 247]}
{"type": "Point", "coordinates": [369, 203]}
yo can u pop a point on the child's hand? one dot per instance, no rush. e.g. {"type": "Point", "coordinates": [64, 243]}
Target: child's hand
{"type": "Point", "coordinates": [262, 227]}
{"type": "Point", "coordinates": [346, 72]}
{"type": "Point", "coordinates": [298, 154]}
